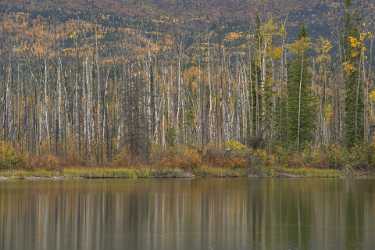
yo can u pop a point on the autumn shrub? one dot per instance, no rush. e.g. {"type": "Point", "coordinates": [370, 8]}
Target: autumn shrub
{"type": "Point", "coordinates": [9, 158]}
{"type": "Point", "coordinates": [336, 156]}
{"type": "Point", "coordinates": [358, 157]}
{"type": "Point", "coordinates": [184, 157]}
{"type": "Point", "coordinates": [46, 161]}
{"type": "Point", "coordinates": [295, 159]}
{"type": "Point", "coordinates": [284, 158]}
{"type": "Point", "coordinates": [235, 161]}
{"type": "Point", "coordinates": [235, 146]}
{"type": "Point", "coordinates": [234, 155]}
{"type": "Point", "coordinates": [312, 156]}
{"type": "Point", "coordinates": [265, 158]}
{"type": "Point", "coordinates": [332, 156]}
{"type": "Point", "coordinates": [361, 157]}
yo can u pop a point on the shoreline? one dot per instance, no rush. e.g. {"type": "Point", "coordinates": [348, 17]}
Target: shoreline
{"type": "Point", "coordinates": [176, 173]}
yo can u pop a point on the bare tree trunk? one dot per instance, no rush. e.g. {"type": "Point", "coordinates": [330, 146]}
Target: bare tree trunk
{"type": "Point", "coordinates": [299, 104]}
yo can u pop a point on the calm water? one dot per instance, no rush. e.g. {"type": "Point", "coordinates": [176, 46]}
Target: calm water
{"type": "Point", "coordinates": [188, 214]}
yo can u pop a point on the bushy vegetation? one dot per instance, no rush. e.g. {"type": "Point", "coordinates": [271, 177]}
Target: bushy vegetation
{"type": "Point", "coordinates": [359, 157]}
{"type": "Point", "coordinates": [47, 161]}
{"type": "Point", "coordinates": [9, 158]}
{"type": "Point", "coordinates": [234, 159]}
{"type": "Point", "coordinates": [183, 157]}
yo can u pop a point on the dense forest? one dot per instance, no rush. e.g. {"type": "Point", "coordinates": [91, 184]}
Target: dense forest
{"type": "Point", "coordinates": [137, 82]}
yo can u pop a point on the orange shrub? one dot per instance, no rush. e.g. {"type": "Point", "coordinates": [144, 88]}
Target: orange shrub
{"type": "Point", "coordinates": [235, 155]}
{"type": "Point", "coordinates": [179, 157]}
{"type": "Point", "coordinates": [47, 161]}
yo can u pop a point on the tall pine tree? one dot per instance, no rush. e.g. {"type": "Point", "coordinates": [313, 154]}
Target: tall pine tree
{"type": "Point", "coordinates": [300, 98]}
{"type": "Point", "coordinates": [353, 84]}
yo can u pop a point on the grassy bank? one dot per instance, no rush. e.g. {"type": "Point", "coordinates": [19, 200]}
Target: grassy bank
{"type": "Point", "coordinates": [125, 173]}
{"type": "Point", "coordinates": [95, 173]}
{"type": "Point", "coordinates": [145, 172]}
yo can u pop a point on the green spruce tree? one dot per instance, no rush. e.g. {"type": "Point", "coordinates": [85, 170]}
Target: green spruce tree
{"type": "Point", "coordinates": [353, 85]}
{"type": "Point", "coordinates": [300, 99]}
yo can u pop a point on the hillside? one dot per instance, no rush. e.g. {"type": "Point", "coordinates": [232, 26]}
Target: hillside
{"type": "Point", "coordinates": [161, 23]}
{"type": "Point", "coordinates": [320, 16]}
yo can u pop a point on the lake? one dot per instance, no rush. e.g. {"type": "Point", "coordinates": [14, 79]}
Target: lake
{"type": "Point", "coordinates": [198, 214]}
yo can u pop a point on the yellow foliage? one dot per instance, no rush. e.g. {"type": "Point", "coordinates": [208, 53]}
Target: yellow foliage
{"type": "Point", "coordinates": [72, 35]}
{"type": "Point", "coordinates": [100, 34]}
{"type": "Point", "coordinates": [283, 29]}
{"type": "Point", "coordinates": [108, 61]}
{"type": "Point", "coordinates": [328, 112]}
{"type": "Point", "coordinates": [277, 53]}
{"type": "Point", "coordinates": [354, 54]}
{"type": "Point", "coordinates": [191, 75]}
{"type": "Point", "coordinates": [268, 29]}
{"type": "Point", "coordinates": [234, 145]}
{"type": "Point", "coordinates": [9, 158]}
{"type": "Point", "coordinates": [300, 45]}
{"type": "Point", "coordinates": [324, 46]}
{"type": "Point", "coordinates": [357, 45]}
{"type": "Point", "coordinates": [364, 35]}
{"type": "Point", "coordinates": [354, 43]}
{"type": "Point", "coordinates": [69, 51]}
{"type": "Point", "coordinates": [348, 68]}
{"type": "Point", "coordinates": [38, 49]}
{"type": "Point", "coordinates": [372, 95]}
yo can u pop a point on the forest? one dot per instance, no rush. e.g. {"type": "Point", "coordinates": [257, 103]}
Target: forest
{"type": "Point", "coordinates": [204, 93]}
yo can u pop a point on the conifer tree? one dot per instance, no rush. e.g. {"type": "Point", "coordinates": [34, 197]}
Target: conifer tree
{"type": "Point", "coordinates": [353, 84]}
{"type": "Point", "coordinates": [300, 99]}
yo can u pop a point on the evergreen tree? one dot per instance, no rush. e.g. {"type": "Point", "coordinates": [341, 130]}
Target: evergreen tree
{"type": "Point", "coordinates": [300, 99]}
{"type": "Point", "coordinates": [353, 85]}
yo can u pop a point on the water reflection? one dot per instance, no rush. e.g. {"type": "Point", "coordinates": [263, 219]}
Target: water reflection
{"type": "Point", "coordinates": [188, 214]}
